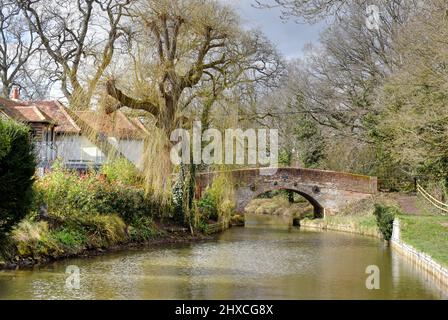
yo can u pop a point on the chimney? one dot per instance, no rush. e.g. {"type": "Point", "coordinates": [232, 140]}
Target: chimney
{"type": "Point", "coordinates": [15, 95]}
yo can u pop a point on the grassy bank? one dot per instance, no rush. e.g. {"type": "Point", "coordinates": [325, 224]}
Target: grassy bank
{"type": "Point", "coordinates": [355, 218]}
{"type": "Point", "coordinates": [428, 234]}
{"type": "Point", "coordinates": [364, 225]}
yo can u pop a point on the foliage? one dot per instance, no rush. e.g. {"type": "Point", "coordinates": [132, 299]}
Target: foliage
{"type": "Point", "coordinates": [17, 166]}
{"type": "Point", "coordinates": [385, 216]}
{"type": "Point", "coordinates": [30, 237]}
{"type": "Point", "coordinates": [143, 229]}
{"type": "Point", "coordinates": [84, 212]}
{"type": "Point", "coordinates": [413, 125]}
{"type": "Point", "coordinates": [208, 206]}
{"type": "Point", "coordinates": [311, 142]}
{"type": "Point", "coordinates": [68, 193]}
{"type": "Point", "coordinates": [72, 235]}
{"type": "Point", "coordinates": [178, 196]}
{"type": "Point", "coordinates": [217, 201]}
{"type": "Point", "coordinates": [121, 171]}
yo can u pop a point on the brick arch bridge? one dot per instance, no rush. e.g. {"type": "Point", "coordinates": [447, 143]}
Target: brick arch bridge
{"type": "Point", "coordinates": [327, 191]}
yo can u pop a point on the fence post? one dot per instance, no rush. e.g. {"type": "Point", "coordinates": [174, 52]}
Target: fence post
{"type": "Point", "coordinates": [396, 230]}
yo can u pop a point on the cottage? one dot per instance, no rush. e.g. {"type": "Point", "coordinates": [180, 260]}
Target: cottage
{"type": "Point", "coordinates": [42, 126]}
{"type": "Point", "coordinates": [80, 139]}
{"type": "Point", "coordinates": [126, 135]}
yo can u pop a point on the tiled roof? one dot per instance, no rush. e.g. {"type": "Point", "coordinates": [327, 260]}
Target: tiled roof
{"type": "Point", "coordinates": [32, 114]}
{"type": "Point", "coordinates": [6, 106]}
{"type": "Point", "coordinates": [57, 112]}
{"type": "Point", "coordinates": [10, 103]}
{"type": "Point", "coordinates": [112, 125]}
{"type": "Point", "coordinates": [23, 111]}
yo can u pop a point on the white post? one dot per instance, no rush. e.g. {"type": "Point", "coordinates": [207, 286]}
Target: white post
{"type": "Point", "coordinates": [396, 230]}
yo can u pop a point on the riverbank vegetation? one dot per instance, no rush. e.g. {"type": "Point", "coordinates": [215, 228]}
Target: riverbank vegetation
{"type": "Point", "coordinates": [358, 218]}
{"type": "Point", "coordinates": [385, 216]}
{"type": "Point", "coordinates": [73, 214]}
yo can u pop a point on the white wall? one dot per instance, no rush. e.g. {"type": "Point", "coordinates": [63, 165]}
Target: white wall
{"type": "Point", "coordinates": [76, 148]}
{"type": "Point", "coordinates": [132, 149]}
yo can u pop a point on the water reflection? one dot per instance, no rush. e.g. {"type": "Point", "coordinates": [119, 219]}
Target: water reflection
{"type": "Point", "coordinates": [252, 263]}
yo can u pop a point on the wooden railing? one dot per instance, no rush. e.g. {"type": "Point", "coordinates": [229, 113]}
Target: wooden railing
{"type": "Point", "coordinates": [433, 201]}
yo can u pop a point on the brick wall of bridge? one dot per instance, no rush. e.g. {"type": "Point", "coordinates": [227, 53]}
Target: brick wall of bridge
{"type": "Point", "coordinates": [328, 191]}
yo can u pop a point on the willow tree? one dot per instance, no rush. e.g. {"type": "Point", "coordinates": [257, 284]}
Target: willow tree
{"type": "Point", "coordinates": [186, 51]}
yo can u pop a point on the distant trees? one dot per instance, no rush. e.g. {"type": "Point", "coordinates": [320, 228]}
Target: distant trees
{"type": "Point", "coordinates": [19, 43]}
{"type": "Point", "coordinates": [378, 96]}
{"type": "Point", "coordinates": [414, 124]}
{"type": "Point", "coordinates": [79, 38]}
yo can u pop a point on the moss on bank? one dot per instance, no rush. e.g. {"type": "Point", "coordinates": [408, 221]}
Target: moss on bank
{"type": "Point", "coordinates": [360, 224]}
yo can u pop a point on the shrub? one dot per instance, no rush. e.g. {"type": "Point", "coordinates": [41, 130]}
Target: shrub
{"type": "Point", "coordinates": [17, 167]}
{"type": "Point", "coordinates": [385, 216]}
{"type": "Point", "coordinates": [66, 192]}
{"type": "Point", "coordinates": [69, 238]}
{"type": "Point", "coordinates": [218, 199]}
{"type": "Point", "coordinates": [101, 230]}
{"type": "Point", "coordinates": [208, 206]}
{"type": "Point", "coordinates": [36, 239]}
{"type": "Point", "coordinates": [121, 171]}
{"type": "Point", "coordinates": [142, 229]}
{"type": "Point", "coordinates": [32, 240]}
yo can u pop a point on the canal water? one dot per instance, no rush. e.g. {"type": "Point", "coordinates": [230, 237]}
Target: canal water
{"type": "Point", "coordinates": [260, 261]}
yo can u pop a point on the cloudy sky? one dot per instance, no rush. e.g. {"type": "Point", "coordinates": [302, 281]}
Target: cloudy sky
{"type": "Point", "coordinates": [289, 36]}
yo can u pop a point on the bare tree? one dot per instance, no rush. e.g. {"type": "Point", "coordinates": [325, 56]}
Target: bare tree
{"type": "Point", "coordinates": [340, 76]}
{"type": "Point", "coordinates": [315, 10]}
{"type": "Point", "coordinates": [18, 43]}
{"type": "Point", "coordinates": [310, 10]}
{"type": "Point", "coordinates": [79, 37]}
